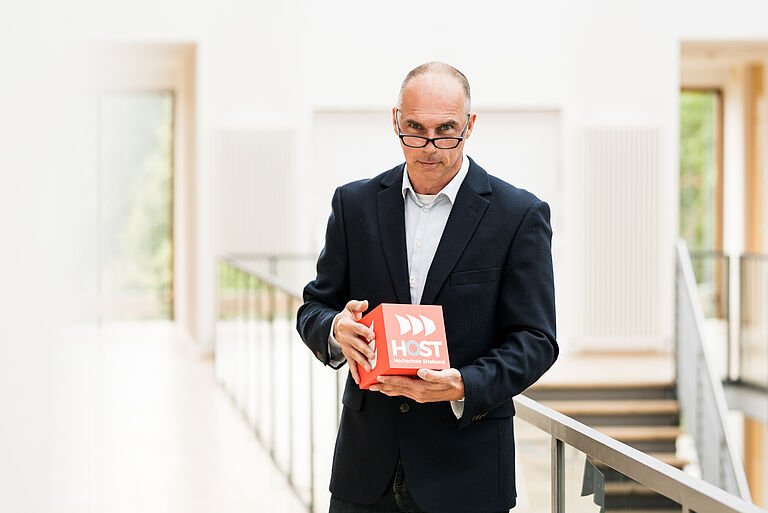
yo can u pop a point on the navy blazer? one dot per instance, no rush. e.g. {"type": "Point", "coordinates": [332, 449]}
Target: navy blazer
{"type": "Point", "coordinates": [492, 274]}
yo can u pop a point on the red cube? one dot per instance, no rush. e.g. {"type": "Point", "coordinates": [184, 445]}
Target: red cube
{"type": "Point", "coordinates": [408, 338]}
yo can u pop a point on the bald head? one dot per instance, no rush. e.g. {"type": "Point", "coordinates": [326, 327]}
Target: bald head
{"type": "Point", "coordinates": [438, 69]}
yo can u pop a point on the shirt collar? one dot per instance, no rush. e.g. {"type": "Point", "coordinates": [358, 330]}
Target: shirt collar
{"type": "Point", "coordinates": [450, 190]}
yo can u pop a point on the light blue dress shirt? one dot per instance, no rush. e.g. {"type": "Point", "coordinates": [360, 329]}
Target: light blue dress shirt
{"type": "Point", "coordinates": [425, 219]}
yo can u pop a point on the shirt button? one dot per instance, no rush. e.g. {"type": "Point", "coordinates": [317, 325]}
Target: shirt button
{"type": "Point", "coordinates": [418, 243]}
{"type": "Point", "coordinates": [425, 209]}
{"type": "Point", "coordinates": [404, 407]}
{"type": "Point", "coordinates": [414, 280]}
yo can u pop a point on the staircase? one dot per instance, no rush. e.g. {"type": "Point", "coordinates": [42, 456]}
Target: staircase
{"type": "Point", "coordinates": [645, 416]}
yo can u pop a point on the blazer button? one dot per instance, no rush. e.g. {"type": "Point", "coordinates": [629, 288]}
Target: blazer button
{"type": "Point", "coordinates": [404, 407]}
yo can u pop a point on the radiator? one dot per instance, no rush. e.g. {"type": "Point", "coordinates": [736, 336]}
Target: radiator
{"type": "Point", "coordinates": [254, 177]}
{"type": "Point", "coordinates": [623, 255]}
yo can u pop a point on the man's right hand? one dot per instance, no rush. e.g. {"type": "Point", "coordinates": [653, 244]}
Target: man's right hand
{"type": "Point", "coordinates": [354, 337]}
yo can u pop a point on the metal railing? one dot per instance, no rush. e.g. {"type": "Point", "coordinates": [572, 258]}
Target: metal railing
{"type": "Point", "coordinates": [292, 404]}
{"type": "Point", "coordinates": [699, 389]}
{"type": "Point", "coordinates": [690, 493]}
{"type": "Point", "coordinates": [711, 270]}
{"type": "Point", "coordinates": [294, 269]}
{"type": "Point", "coordinates": [753, 322]}
{"type": "Point", "coordinates": [741, 359]}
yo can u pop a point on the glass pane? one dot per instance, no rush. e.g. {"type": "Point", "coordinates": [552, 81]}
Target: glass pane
{"type": "Point", "coordinates": [532, 468]}
{"type": "Point", "coordinates": [699, 209]}
{"type": "Point", "coordinates": [301, 363]}
{"type": "Point", "coordinates": [711, 272]}
{"type": "Point", "coordinates": [295, 269]}
{"type": "Point", "coordinates": [753, 359]}
{"type": "Point", "coordinates": [135, 221]}
{"type": "Point", "coordinates": [282, 328]}
{"type": "Point", "coordinates": [592, 486]}
{"type": "Point", "coordinates": [698, 168]}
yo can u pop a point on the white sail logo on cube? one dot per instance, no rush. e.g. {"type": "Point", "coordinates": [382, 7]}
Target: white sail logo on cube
{"type": "Point", "coordinates": [372, 345]}
{"type": "Point", "coordinates": [414, 325]}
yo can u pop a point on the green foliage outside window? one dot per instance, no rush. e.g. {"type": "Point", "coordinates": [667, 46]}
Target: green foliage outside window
{"type": "Point", "coordinates": [136, 190]}
{"type": "Point", "coordinates": [698, 192]}
{"type": "Point", "coordinates": [698, 171]}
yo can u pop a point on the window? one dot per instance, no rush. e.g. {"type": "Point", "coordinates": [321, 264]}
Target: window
{"type": "Point", "coordinates": [135, 220]}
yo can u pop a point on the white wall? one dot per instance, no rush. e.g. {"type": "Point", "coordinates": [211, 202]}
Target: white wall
{"type": "Point", "coordinates": [263, 64]}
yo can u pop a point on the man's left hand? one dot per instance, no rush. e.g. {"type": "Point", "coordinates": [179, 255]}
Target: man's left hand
{"type": "Point", "coordinates": [430, 386]}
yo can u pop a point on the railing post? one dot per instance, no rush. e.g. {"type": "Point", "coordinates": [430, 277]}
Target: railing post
{"type": "Point", "coordinates": [740, 329]}
{"type": "Point", "coordinates": [272, 265]}
{"type": "Point", "coordinates": [727, 313]}
{"type": "Point", "coordinates": [558, 476]}
{"type": "Point", "coordinates": [272, 372]}
{"type": "Point", "coordinates": [338, 400]}
{"type": "Point", "coordinates": [310, 382]}
{"type": "Point", "coordinates": [291, 422]}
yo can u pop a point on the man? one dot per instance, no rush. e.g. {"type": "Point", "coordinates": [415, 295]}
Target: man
{"type": "Point", "coordinates": [436, 230]}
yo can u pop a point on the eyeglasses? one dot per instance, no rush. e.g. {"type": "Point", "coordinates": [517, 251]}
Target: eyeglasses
{"type": "Point", "coordinates": [442, 143]}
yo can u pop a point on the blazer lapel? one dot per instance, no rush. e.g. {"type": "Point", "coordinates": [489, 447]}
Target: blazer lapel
{"type": "Point", "coordinates": [391, 214]}
{"type": "Point", "coordinates": [464, 217]}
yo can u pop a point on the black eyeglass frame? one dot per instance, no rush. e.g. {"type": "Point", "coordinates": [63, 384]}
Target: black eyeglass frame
{"type": "Point", "coordinates": [427, 140]}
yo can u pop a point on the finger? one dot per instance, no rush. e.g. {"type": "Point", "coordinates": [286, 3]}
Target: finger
{"type": "Point", "coordinates": [362, 361]}
{"type": "Point", "coordinates": [362, 330]}
{"type": "Point", "coordinates": [356, 328]}
{"type": "Point", "coordinates": [398, 381]}
{"type": "Point", "coordinates": [418, 394]}
{"type": "Point", "coordinates": [356, 306]}
{"type": "Point", "coordinates": [389, 388]}
{"type": "Point", "coordinates": [356, 344]}
{"type": "Point", "coordinates": [385, 391]}
{"type": "Point", "coordinates": [421, 388]}
{"type": "Point", "coordinates": [354, 355]}
{"type": "Point", "coordinates": [442, 376]}
{"type": "Point", "coordinates": [355, 373]}
{"type": "Point", "coordinates": [395, 385]}
{"type": "Point", "coordinates": [408, 383]}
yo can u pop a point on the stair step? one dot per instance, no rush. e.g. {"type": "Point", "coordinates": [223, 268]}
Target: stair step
{"type": "Point", "coordinates": [543, 385]}
{"type": "Point", "coordinates": [670, 459]}
{"type": "Point", "coordinates": [640, 433]}
{"type": "Point", "coordinates": [630, 495]}
{"type": "Point", "coordinates": [615, 407]}
{"type": "Point", "coordinates": [627, 488]}
{"type": "Point", "coordinates": [665, 457]}
{"type": "Point", "coordinates": [651, 510]}
{"type": "Point", "coordinates": [597, 390]}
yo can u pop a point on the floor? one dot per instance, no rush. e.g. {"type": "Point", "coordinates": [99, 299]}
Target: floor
{"type": "Point", "coordinates": [611, 367]}
{"type": "Point", "coordinates": [130, 419]}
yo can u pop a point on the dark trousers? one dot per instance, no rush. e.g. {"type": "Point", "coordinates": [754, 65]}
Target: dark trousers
{"type": "Point", "coordinates": [396, 499]}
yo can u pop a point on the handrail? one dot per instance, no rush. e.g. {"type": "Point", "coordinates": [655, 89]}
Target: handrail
{"type": "Point", "coordinates": [244, 265]}
{"type": "Point", "coordinates": [270, 256]}
{"type": "Point", "coordinates": [691, 493]}
{"type": "Point", "coordinates": [700, 391]}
